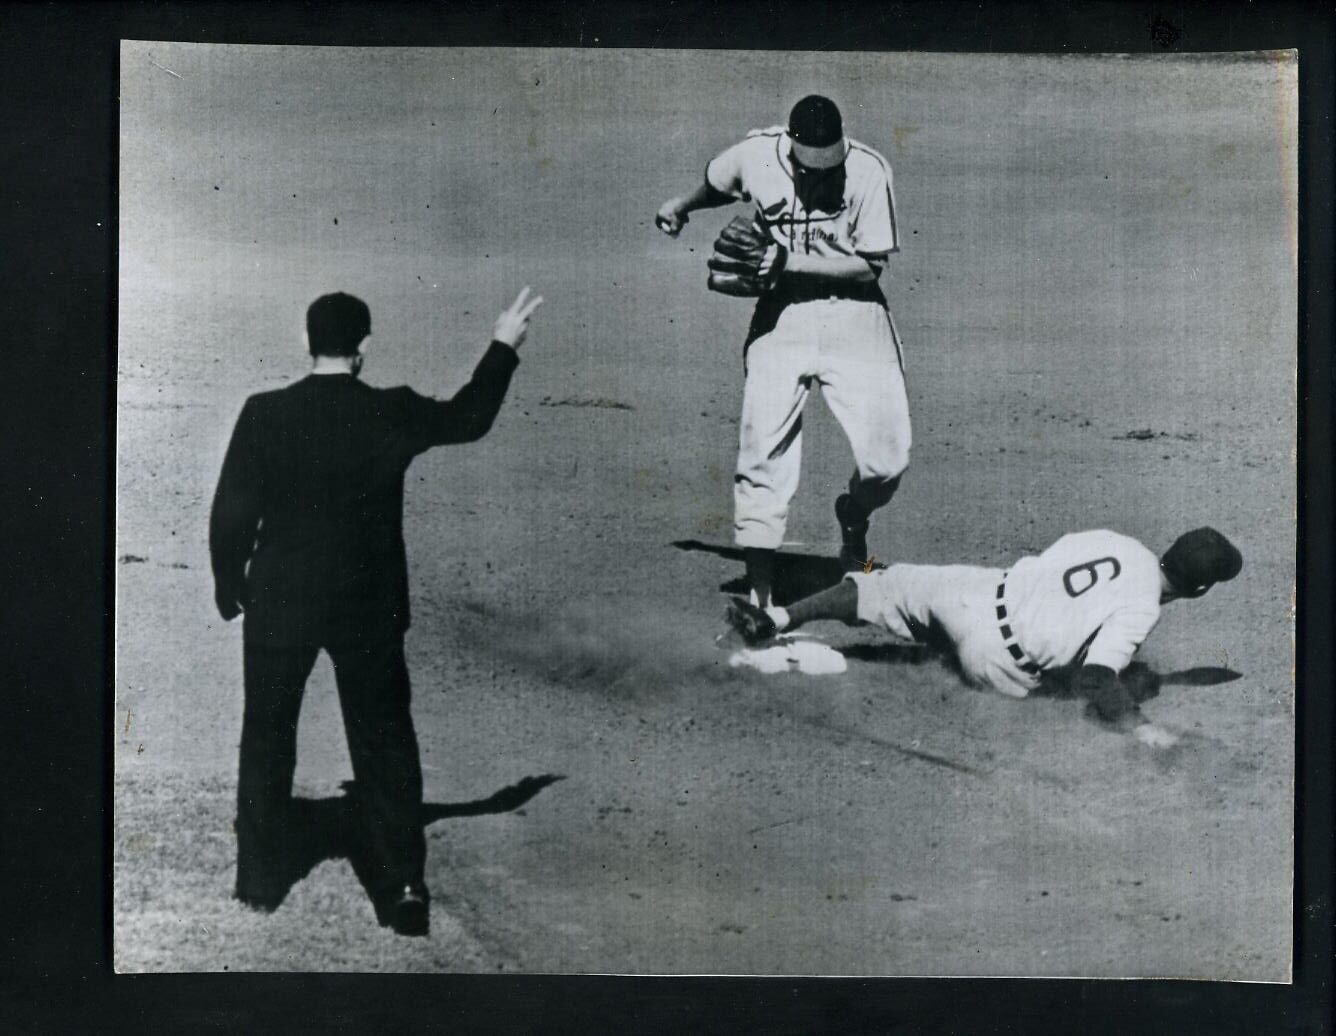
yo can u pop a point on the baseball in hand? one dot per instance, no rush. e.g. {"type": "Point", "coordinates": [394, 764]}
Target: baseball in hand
{"type": "Point", "coordinates": [669, 219]}
{"type": "Point", "coordinates": [513, 324]}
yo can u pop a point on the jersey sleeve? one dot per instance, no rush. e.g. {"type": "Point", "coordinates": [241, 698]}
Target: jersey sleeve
{"type": "Point", "coordinates": [466, 417]}
{"type": "Point", "coordinates": [726, 171]}
{"type": "Point", "coordinates": [873, 229]}
{"type": "Point", "coordinates": [1122, 633]}
{"type": "Point", "coordinates": [235, 515]}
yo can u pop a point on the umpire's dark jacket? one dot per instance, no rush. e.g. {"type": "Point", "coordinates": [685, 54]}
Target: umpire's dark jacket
{"type": "Point", "coordinates": [306, 533]}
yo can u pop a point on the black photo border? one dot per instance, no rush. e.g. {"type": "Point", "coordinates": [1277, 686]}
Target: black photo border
{"type": "Point", "coordinates": [58, 139]}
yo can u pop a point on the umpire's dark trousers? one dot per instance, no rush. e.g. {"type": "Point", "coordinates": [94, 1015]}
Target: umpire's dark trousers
{"type": "Point", "coordinates": [374, 695]}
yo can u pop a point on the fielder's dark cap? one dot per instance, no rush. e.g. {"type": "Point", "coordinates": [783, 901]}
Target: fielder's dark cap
{"type": "Point", "coordinates": [1198, 560]}
{"type": "Point", "coordinates": [336, 324]}
{"type": "Point", "coordinates": [817, 132]}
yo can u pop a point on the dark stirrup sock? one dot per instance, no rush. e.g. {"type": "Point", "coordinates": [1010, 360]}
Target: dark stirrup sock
{"type": "Point", "coordinates": [867, 497]}
{"type": "Point", "coordinates": [760, 572]}
{"type": "Point", "coordinates": [839, 602]}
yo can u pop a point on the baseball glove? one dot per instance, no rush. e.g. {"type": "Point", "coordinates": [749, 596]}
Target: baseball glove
{"type": "Point", "coordinates": [746, 262]}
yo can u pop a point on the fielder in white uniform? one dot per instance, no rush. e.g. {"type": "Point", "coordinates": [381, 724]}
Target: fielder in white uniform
{"type": "Point", "coordinates": [1089, 600]}
{"type": "Point", "coordinates": [828, 200]}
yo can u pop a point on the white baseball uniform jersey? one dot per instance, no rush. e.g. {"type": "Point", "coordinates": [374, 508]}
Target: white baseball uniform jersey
{"type": "Point", "coordinates": [840, 338]}
{"type": "Point", "coordinates": [852, 217]}
{"type": "Point", "coordinates": [1092, 597]}
{"type": "Point", "coordinates": [1100, 584]}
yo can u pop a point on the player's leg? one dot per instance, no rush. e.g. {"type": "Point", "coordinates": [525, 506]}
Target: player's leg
{"type": "Point", "coordinates": [758, 624]}
{"type": "Point", "coordinates": [921, 603]}
{"type": "Point", "coordinates": [896, 598]}
{"type": "Point", "coordinates": [946, 605]}
{"type": "Point", "coordinates": [862, 379]}
{"type": "Point", "coordinates": [769, 450]}
{"type": "Point", "coordinates": [838, 603]}
{"type": "Point", "coordinates": [375, 695]}
{"type": "Point", "coordinates": [274, 681]}
{"type": "Point", "coordinates": [952, 605]}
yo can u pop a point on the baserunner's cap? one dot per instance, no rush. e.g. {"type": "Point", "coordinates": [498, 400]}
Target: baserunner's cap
{"type": "Point", "coordinates": [817, 132]}
{"type": "Point", "coordinates": [1198, 560]}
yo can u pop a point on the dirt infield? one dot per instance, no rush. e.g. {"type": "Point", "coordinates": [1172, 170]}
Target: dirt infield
{"type": "Point", "coordinates": [1097, 298]}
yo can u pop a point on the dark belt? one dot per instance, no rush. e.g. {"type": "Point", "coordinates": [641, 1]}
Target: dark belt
{"type": "Point", "coordinates": [862, 292]}
{"type": "Point", "coordinates": [1009, 635]}
{"type": "Point", "coordinates": [770, 305]}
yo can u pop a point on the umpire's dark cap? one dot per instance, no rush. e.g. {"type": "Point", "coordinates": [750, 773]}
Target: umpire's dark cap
{"type": "Point", "coordinates": [336, 324]}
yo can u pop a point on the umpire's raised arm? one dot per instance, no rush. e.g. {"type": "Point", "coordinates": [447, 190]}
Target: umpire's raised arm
{"type": "Point", "coordinates": [468, 416]}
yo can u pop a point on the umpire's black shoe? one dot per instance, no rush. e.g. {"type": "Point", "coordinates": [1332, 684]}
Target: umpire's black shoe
{"type": "Point", "coordinates": [853, 532]}
{"type": "Point", "coordinates": [407, 911]}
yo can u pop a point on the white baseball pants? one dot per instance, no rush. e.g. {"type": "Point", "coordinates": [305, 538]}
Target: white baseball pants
{"type": "Point", "coordinates": [962, 601]}
{"type": "Point", "coordinates": [849, 349]}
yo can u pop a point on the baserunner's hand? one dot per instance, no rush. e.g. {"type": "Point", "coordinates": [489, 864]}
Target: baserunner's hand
{"type": "Point", "coordinates": [513, 324]}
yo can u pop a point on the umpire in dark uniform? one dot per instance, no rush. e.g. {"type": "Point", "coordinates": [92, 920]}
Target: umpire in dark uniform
{"type": "Point", "coordinates": [306, 538]}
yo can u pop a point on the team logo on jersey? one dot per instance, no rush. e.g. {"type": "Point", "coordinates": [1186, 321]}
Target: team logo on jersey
{"type": "Point", "coordinates": [782, 217]}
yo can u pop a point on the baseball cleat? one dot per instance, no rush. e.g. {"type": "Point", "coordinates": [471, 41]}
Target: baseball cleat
{"type": "Point", "coordinates": [853, 532]}
{"type": "Point", "coordinates": [750, 622]}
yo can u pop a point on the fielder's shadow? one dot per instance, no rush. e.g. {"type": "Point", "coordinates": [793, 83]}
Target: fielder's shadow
{"type": "Point", "coordinates": [796, 575]}
{"type": "Point", "coordinates": [326, 829]}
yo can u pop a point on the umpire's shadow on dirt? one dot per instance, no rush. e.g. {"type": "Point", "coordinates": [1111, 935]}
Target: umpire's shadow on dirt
{"type": "Point", "coordinates": [326, 829]}
{"type": "Point", "coordinates": [796, 575]}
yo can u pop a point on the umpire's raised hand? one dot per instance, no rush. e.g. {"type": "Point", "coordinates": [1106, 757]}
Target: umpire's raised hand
{"type": "Point", "coordinates": [513, 323]}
